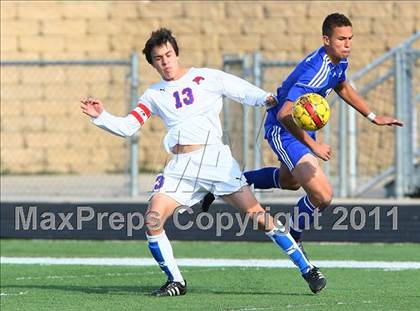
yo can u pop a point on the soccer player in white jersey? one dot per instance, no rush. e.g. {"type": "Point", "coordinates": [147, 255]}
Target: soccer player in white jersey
{"type": "Point", "coordinates": [189, 102]}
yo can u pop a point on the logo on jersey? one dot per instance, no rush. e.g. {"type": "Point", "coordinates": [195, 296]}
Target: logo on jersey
{"type": "Point", "coordinates": [198, 80]}
{"type": "Point", "coordinates": [141, 113]}
{"type": "Point", "coordinates": [328, 92]}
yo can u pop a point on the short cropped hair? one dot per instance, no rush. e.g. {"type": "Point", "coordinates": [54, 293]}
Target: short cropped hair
{"type": "Point", "coordinates": [158, 38]}
{"type": "Point", "coordinates": [334, 20]}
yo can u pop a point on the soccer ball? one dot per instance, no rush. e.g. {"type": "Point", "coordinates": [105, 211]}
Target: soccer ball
{"type": "Point", "coordinates": [311, 112]}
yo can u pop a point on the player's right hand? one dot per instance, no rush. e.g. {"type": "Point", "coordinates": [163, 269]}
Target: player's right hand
{"type": "Point", "coordinates": [271, 101]}
{"type": "Point", "coordinates": [322, 151]}
{"type": "Point", "coordinates": [92, 107]}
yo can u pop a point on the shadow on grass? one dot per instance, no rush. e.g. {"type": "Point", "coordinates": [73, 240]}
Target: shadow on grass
{"type": "Point", "coordinates": [113, 290]}
{"type": "Point", "coordinates": [145, 290]}
{"type": "Point", "coordinates": [269, 293]}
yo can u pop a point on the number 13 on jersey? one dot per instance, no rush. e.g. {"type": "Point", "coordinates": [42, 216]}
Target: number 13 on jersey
{"type": "Point", "coordinates": [186, 97]}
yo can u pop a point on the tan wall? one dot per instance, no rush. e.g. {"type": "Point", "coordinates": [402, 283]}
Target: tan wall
{"type": "Point", "coordinates": [42, 129]}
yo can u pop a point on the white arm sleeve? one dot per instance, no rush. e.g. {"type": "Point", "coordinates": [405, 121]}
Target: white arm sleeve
{"type": "Point", "coordinates": [241, 91]}
{"type": "Point", "coordinates": [120, 126]}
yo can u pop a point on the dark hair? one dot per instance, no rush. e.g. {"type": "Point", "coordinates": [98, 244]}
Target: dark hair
{"type": "Point", "coordinates": [334, 20]}
{"type": "Point", "coordinates": [157, 38]}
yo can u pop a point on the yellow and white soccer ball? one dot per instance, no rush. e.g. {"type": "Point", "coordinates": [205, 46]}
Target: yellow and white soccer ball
{"type": "Point", "coordinates": [311, 112]}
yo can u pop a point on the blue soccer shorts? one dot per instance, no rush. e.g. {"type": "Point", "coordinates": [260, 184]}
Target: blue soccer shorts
{"type": "Point", "coordinates": [289, 149]}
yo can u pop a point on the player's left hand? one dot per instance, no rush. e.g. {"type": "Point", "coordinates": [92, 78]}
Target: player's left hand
{"type": "Point", "coordinates": [383, 120]}
{"type": "Point", "coordinates": [270, 101]}
{"type": "Point", "coordinates": [92, 107]}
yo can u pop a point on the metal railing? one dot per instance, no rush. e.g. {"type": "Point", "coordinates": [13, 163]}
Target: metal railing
{"type": "Point", "coordinates": [403, 73]}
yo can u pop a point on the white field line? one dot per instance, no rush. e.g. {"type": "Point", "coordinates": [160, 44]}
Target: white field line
{"type": "Point", "coordinates": [13, 294]}
{"type": "Point", "coordinates": [210, 262]}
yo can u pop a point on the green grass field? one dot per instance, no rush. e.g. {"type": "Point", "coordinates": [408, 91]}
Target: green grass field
{"type": "Point", "coordinates": [72, 287]}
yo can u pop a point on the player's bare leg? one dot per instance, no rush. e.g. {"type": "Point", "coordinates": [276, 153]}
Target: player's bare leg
{"type": "Point", "coordinates": [245, 201]}
{"type": "Point", "coordinates": [160, 209]}
{"type": "Point", "coordinates": [310, 176]}
{"type": "Point", "coordinates": [286, 179]}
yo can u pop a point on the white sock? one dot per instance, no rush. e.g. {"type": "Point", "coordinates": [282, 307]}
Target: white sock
{"type": "Point", "coordinates": [161, 250]}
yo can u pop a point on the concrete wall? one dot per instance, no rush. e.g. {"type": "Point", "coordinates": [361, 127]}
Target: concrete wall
{"type": "Point", "coordinates": [42, 129]}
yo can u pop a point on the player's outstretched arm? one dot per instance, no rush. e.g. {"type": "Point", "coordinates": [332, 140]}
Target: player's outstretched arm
{"type": "Point", "coordinates": [350, 96]}
{"type": "Point", "coordinates": [284, 115]}
{"type": "Point", "coordinates": [244, 92]}
{"type": "Point", "coordinates": [120, 126]}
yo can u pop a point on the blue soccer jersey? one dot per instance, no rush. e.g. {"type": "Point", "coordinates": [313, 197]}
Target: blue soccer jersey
{"type": "Point", "coordinates": [314, 74]}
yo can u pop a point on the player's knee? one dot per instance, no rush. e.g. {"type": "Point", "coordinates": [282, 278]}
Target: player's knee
{"type": "Point", "coordinates": [258, 215]}
{"type": "Point", "coordinates": [153, 221]}
{"type": "Point", "coordinates": [325, 199]}
{"type": "Point", "coordinates": [330, 194]}
{"type": "Point", "coordinates": [255, 210]}
{"type": "Point", "coordinates": [322, 199]}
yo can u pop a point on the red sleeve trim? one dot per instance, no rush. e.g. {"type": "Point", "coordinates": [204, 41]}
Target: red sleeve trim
{"type": "Point", "coordinates": [137, 116]}
{"type": "Point", "coordinates": [145, 109]}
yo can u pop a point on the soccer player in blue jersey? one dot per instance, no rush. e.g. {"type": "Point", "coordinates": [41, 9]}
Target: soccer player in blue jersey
{"type": "Point", "coordinates": [320, 72]}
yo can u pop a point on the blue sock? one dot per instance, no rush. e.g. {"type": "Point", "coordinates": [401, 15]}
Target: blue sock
{"type": "Point", "coordinates": [264, 178]}
{"type": "Point", "coordinates": [289, 246]}
{"type": "Point", "coordinates": [304, 215]}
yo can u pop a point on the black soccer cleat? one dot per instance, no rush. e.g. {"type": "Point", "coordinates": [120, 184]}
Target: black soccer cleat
{"type": "Point", "coordinates": [171, 288]}
{"type": "Point", "coordinates": [207, 201]}
{"type": "Point", "coordinates": [315, 280]}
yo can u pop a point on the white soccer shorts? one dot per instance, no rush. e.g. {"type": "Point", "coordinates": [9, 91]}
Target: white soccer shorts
{"type": "Point", "coordinates": [188, 177]}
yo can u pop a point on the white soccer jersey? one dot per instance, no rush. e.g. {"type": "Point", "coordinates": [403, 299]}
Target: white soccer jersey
{"type": "Point", "coordinates": [189, 107]}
